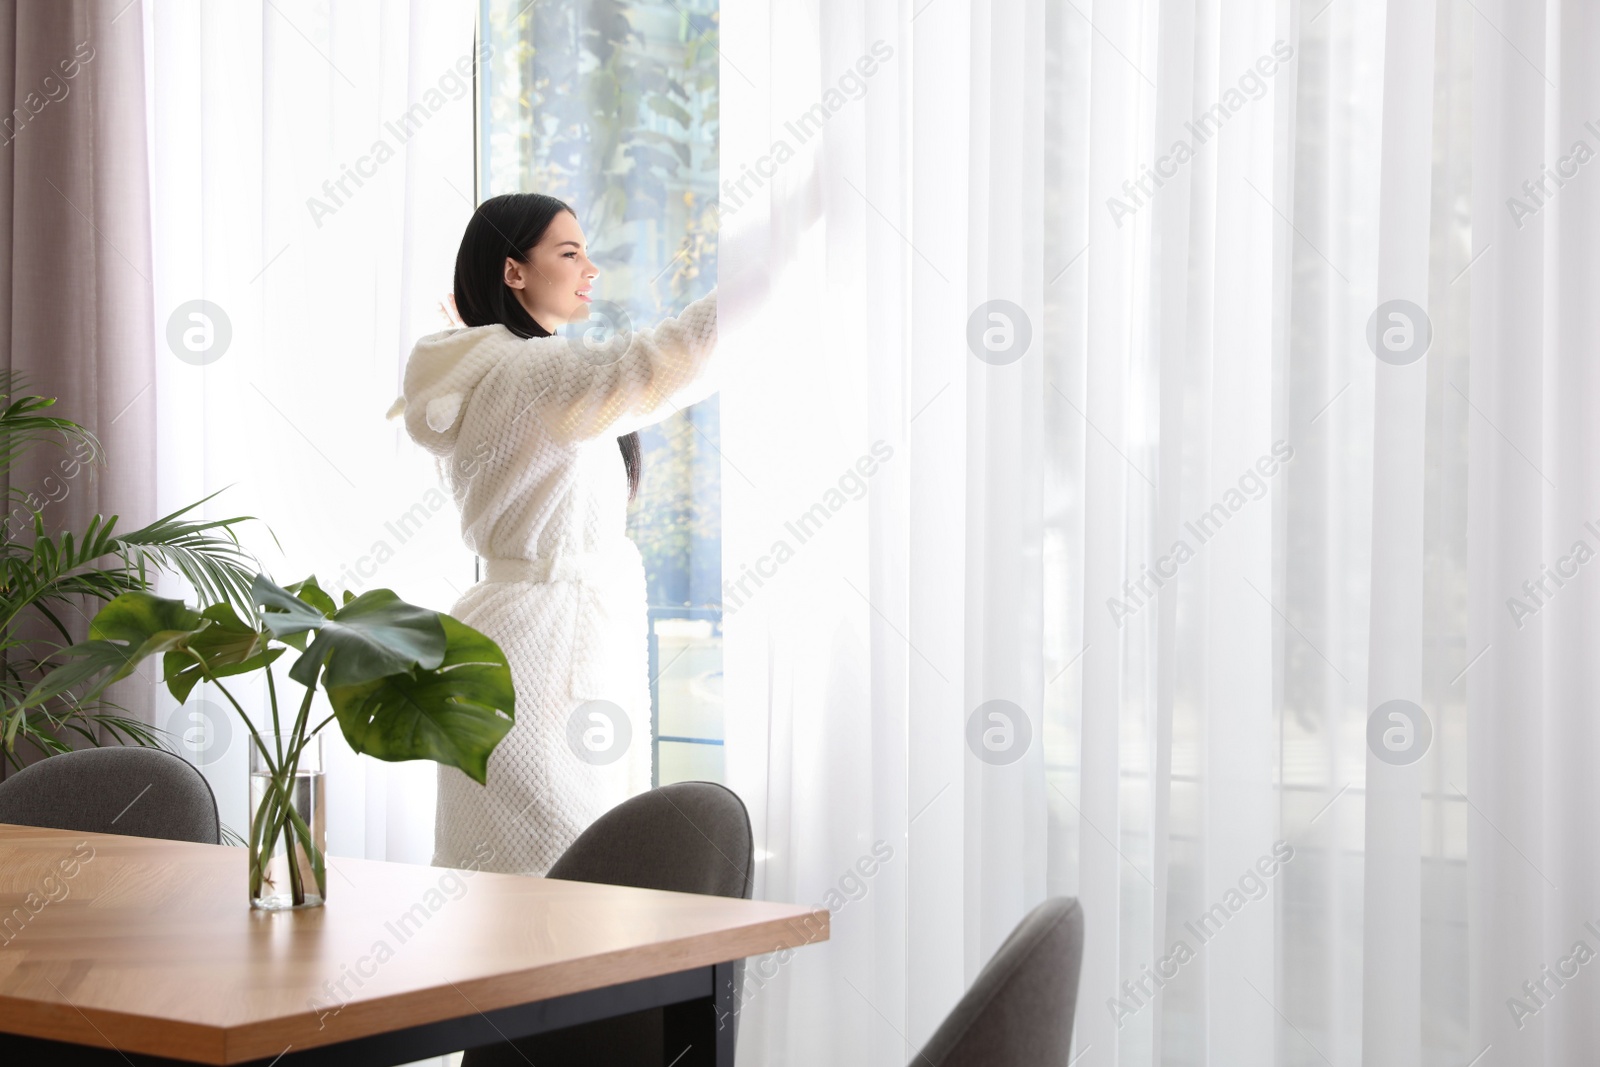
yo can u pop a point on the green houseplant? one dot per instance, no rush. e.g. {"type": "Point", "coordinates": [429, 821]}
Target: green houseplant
{"type": "Point", "coordinates": [404, 682]}
{"type": "Point", "coordinates": [44, 576]}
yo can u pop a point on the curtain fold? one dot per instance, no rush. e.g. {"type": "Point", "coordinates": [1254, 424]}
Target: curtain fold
{"type": "Point", "coordinates": [312, 174]}
{"type": "Point", "coordinates": [75, 290]}
{"type": "Point", "coordinates": [852, 680]}
{"type": "Point", "coordinates": [1532, 505]}
{"type": "Point", "coordinates": [1392, 892]}
{"type": "Point", "coordinates": [1165, 607]}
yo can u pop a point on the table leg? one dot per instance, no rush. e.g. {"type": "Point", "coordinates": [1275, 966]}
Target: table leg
{"type": "Point", "coordinates": [700, 1032]}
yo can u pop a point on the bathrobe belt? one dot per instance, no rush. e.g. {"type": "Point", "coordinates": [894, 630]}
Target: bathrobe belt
{"type": "Point", "coordinates": [608, 583]}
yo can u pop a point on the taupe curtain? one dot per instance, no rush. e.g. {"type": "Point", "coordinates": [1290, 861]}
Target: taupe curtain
{"type": "Point", "coordinates": [76, 314]}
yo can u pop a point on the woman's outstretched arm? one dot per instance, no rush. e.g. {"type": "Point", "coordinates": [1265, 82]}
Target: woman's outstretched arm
{"type": "Point", "coordinates": [632, 380]}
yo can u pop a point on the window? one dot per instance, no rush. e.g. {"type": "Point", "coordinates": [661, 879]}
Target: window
{"type": "Point", "coordinates": [614, 109]}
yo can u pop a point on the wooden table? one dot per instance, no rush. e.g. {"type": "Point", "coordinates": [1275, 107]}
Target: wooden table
{"type": "Point", "coordinates": [126, 950]}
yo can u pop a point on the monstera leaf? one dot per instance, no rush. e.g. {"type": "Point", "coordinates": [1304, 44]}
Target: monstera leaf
{"type": "Point", "coordinates": [449, 713]}
{"type": "Point", "coordinates": [226, 647]}
{"type": "Point", "coordinates": [405, 682]}
{"type": "Point", "coordinates": [130, 628]}
{"type": "Point", "coordinates": [374, 635]}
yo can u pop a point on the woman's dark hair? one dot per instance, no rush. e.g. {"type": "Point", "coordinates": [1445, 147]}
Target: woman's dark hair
{"type": "Point", "coordinates": [510, 225]}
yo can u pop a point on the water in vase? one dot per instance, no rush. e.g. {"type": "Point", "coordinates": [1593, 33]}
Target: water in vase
{"type": "Point", "coordinates": [277, 888]}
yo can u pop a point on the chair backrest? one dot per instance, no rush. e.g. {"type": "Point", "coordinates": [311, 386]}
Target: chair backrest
{"type": "Point", "coordinates": [136, 792]}
{"type": "Point", "coordinates": [689, 837]}
{"type": "Point", "coordinates": [1019, 1010]}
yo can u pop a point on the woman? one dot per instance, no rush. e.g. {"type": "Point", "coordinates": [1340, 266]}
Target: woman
{"type": "Point", "coordinates": [540, 435]}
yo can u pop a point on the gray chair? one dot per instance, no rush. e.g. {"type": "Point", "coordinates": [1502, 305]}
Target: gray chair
{"type": "Point", "coordinates": [1019, 1010]}
{"type": "Point", "coordinates": [136, 792]}
{"type": "Point", "coordinates": [691, 837]}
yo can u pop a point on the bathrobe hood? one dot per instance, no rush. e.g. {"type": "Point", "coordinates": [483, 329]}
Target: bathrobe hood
{"type": "Point", "coordinates": [441, 373]}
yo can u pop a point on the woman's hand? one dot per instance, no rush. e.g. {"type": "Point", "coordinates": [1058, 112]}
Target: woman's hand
{"type": "Point", "coordinates": [447, 308]}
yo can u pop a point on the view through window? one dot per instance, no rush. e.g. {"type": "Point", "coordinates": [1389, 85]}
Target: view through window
{"type": "Point", "coordinates": [612, 107]}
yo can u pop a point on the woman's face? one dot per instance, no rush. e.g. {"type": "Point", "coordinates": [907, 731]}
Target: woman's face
{"type": "Point", "coordinates": [554, 285]}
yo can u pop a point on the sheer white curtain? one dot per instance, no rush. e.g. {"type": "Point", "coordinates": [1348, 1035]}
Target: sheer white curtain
{"type": "Point", "coordinates": [1197, 505]}
{"type": "Point", "coordinates": [312, 168]}
{"type": "Point", "coordinates": [883, 513]}
{"type": "Point", "coordinates": [1533, 508]}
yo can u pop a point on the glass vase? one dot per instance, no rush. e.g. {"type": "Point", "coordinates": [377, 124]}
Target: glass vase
{"type": "Point", "coordinates": [288, 832]}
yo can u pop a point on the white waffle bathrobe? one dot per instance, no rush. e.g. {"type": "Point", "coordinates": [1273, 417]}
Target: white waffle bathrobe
{"type": "Point", "coordinates": [526, 433]}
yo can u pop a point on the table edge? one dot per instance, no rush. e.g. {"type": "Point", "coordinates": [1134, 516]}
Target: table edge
{"type": "Point", "coordinates": [358, 1018]}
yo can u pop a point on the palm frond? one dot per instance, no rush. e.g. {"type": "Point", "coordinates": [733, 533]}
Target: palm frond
{"type": "Point", "coordinates": [47, 730]}
{"type": "Point", "coordinates": [128, 730]}
{"type": "Point", "coordinates": [215, 564]}
{"type": "Point", "coordinates": [55, 568]}
{"type": "Point", "coordinates": [22, 428]}
{"type": "Point", "coordinates": [58, 571]}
